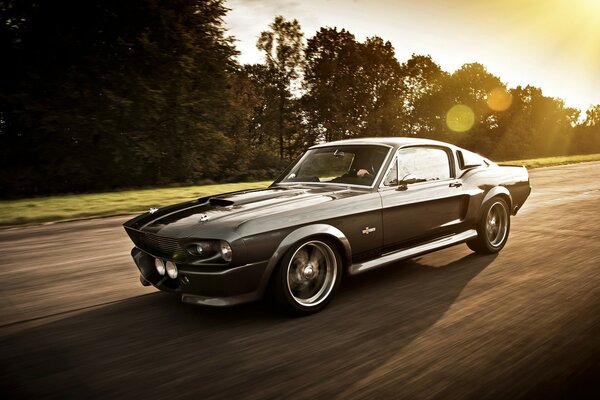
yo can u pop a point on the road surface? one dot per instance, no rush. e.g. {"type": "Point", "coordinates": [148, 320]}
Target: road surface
{"type": "Point", "coordinates": [75, 322]}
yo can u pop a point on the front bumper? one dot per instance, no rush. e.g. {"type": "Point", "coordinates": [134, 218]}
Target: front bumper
{"type": "Point", "coordinates": [206, 285]}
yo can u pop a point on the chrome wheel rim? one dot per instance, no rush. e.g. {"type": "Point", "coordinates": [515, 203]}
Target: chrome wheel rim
{"type": "Point", "coordinates": [311, 273]}
{"type": "Point", "coordinates": [496, 224]}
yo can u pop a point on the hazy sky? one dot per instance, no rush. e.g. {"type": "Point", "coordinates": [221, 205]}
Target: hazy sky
{"type": "Point", "coordinates": [552, 44]}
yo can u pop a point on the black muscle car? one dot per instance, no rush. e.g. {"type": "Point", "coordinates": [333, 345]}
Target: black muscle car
{"type": "Point", "coordinates": [343, 207]}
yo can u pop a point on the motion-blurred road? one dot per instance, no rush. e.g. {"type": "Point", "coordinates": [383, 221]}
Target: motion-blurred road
{"type": "Point", "coordinates": [75, 322]}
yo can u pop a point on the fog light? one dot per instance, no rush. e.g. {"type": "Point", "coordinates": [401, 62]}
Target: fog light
{"type": "Point", "coordinates": [159, 265]}
{"type": "Point", "coordinates": [226, 251]}
{"type": "Point", "coordinates": [171, 270]}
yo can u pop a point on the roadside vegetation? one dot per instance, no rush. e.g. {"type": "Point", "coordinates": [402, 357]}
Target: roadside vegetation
{"type": "Point", "coordinates": [99, 96]}
{"type": "Point", "coordinates": [71, 207]}
{"type": "Point", "coordinates": [553, 161]}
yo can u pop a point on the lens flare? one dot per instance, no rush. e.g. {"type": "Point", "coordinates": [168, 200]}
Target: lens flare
{"type": "Point", "coordinates": [460, 118]}
{"type": "Point", "coordinates": [499, 99]}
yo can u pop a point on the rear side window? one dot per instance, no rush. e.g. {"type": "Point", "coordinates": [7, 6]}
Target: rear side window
{"type": "Point", "coordinates": [427, 163]}
{"type": "Point", "coordinates": [466, 159]}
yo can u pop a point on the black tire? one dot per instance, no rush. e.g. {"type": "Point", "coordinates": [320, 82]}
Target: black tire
{"type": "Point", "coordinates": [307, 277]}
{"type": "Point", "coordinates": [493, 228]}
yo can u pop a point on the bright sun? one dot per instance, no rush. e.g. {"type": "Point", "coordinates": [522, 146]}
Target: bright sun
{"type": "Point", "coordinates": [594, 4]}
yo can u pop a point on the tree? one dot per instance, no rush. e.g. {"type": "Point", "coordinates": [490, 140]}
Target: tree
{"type": "Point", "coordinates": [534, 126]}
{"type": "Point", "coordinates": [331, 85]}
{"type": "Point", "coordinates": [106, 94]}
{"type": "Point", "coordinates": [252, 125]}
{"type": "Point", "coordinates": [463, 96]}
{"type": "Point", "coordinates": [382, 83]}
{"type": "Point", "coordinates": [351, 89]}
{"type": "Point", "coordinates": [283, 49]}
{"type": "Point", "coordinates": [586, 137]}
{"type": "Point", "coordinates": [422, 80]}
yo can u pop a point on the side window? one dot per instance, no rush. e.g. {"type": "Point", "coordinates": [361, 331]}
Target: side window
{"type": "Point", "coordinates": [466, 159]}
{"type": "Point", "coordinates": [425, 163]}
{"type": "Point", "coordinates": [391, 179]}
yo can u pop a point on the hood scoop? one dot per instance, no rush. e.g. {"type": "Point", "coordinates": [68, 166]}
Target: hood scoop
{"type": "Point", "coordinates": [215, 201]}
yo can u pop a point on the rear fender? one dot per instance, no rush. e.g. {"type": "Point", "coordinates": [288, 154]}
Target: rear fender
{"type": "Point", "coordinates": [498, 191]}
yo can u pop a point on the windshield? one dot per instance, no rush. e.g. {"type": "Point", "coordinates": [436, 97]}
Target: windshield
{"type": "Point", "coordinates": [352, 165]}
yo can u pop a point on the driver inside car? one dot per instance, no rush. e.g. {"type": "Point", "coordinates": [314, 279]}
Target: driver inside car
{"type": "Point", "coordinates": [367, 164]}
{"type": "Point", "coordinates": [363, 173]}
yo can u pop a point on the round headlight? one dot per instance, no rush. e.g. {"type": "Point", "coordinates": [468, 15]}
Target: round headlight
{"type": "Point", "coordinates": [171, 270]}
{"type": "Point", "coordinates": [198, 249]}
{"type": "Point", "coordinates": [159, 265]}
{"type": "Point", "coordinates": [226, 251]}
{"type": "Point", "coordinates": [202, 249]}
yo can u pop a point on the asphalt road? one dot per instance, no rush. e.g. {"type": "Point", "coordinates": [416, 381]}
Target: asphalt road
{"type": "Point", "coordinates": [75, 322]}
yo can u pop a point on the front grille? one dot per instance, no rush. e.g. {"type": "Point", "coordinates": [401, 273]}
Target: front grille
{"type": "Point", "coordinates": [157, 245]}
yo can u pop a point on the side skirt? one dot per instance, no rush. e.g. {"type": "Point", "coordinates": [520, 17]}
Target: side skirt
{"type": "Point", "coordinates": [412, 252]}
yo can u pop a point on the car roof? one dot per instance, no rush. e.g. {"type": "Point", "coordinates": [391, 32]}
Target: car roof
{"type": "Point", "coordinates": [389, 141]}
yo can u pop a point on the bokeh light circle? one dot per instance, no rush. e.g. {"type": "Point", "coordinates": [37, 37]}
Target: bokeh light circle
{"type": "Point", "coordinates": [460, 118]}
{"type": "Point", "coordinates": [499, 99]}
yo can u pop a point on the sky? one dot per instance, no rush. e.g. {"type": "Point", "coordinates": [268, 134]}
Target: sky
{"type": "Point", "coordinates": [551, 44]}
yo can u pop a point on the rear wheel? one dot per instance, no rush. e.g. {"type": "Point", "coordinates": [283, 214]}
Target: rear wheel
{"type": "Point", "coordinates": [493, 228]}
{"type": "Point", "coordinates": [307, 277]}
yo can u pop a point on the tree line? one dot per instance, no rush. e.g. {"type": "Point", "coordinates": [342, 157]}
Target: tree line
{"type": "Point", "coordinates": [104, 94]}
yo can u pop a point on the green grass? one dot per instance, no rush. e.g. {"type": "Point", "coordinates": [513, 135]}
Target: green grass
{"type": "Point", "coordinates": [70, 207]}
{"type": "Point", "coordinates": [552, 161]}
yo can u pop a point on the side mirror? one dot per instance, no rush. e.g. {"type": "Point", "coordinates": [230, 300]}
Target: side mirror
{"type": "Point", "coordinates": [407, 180]}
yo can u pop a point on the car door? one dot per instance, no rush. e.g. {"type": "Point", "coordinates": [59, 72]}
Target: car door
{"type": "Point", "coordinates": [430, 207]}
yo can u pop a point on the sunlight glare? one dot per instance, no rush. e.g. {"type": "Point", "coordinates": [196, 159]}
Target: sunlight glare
{"type": "Point", "coordinates": [460, 118]}
{"type": "Point", "coordinates": [499, 99]}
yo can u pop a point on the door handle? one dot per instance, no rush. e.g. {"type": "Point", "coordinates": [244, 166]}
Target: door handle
{"type": "Point", "coordinates": [455, 184]}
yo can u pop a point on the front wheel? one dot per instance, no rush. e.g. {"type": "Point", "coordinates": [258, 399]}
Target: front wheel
{"type": "Point", "coordinates": [493, 228]}
{"type": "Point", "coordinates": [307, 277]}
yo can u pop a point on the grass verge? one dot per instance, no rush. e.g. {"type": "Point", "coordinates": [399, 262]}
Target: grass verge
{"type": "Point", "coordinates": [553, 161]}
{"type": "Point", "coordinates": [70, 207]}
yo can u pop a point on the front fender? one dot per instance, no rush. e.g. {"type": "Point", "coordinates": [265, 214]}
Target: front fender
{"type": "Point", "coordinates": [301, 234]}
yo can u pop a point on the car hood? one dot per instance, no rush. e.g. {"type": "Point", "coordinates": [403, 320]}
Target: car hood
{"type": "Point", "coordinates": [215, 216]}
